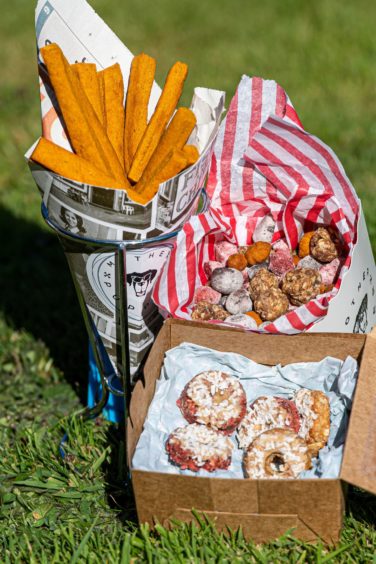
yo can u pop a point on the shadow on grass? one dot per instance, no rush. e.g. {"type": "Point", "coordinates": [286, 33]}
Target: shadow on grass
{"type": "Point", "coordinates": [118, 488]}
{"type": "Point", "coordinates": [361, 505]}
{"type": "Point", "coordinates": [37, 294]}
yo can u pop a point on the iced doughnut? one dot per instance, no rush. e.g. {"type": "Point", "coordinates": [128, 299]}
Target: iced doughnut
{"type": "Point", "coordinates": [197, 447]}
{"type": "Point", "coordinates": [309, 262]}
{"type": "Point", "coordinates": [238, 302]}
{"type": "Point", "coordinates": [226, 280]}
{"type": "Point", "coordinates": [281, 261]}
{"type": "Point", "coordinates": [278, 453]}
{"type": "Point", "coordinates": [265, 413]}
{"type": "Point", "coordinates": [215, 399]}
{"type": "Point", "coordinates": [264, 230]}
{"type": "Point", "coordinates": [329, 271]}
{"type": "Point", "coordinates": [210, 266]}
{"type": "Point", "coordinates": [243, 320]}
{"type": "Point", "coordinates": [206, 294]}
{"type": "Point", "coordinates": [224, 250]}
{"type": "Point", "coordinates": [314, 410]}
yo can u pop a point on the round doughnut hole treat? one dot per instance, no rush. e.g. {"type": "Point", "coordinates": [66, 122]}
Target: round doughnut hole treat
{"type": "Point", "coordinates": [238, 261]}
{"type": "Point", "coordinates": [322, 247]}
{"type": "Point", "coordinates": [215, 399]}
{"type": "Point", "coordinates": [238, 302]}
{"type": "Point", "coordinates": [205, 311]}
{"type": "Point", "coordinates": [242, 320]}
{"type": "Point", "coordinates": [301, 285]}
{"type": "Point", "coordinates": [271, 304]}
{"type": "Point", "coordinates": [226, 280]}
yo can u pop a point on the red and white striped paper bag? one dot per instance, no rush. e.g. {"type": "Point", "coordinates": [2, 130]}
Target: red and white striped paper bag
{"type": "Point", "coordinates": [266, 164]}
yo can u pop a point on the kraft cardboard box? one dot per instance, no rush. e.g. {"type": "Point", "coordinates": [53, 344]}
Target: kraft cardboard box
{"type": "Point", "coordinates": [264, 509]}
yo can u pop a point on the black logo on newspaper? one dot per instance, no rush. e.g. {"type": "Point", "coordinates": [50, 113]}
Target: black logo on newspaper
{"type": "Point", "coordinates": [141, 281]}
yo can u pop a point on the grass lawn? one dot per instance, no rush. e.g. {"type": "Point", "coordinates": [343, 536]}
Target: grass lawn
{"type": "Point", "coordinates": [323, 54]}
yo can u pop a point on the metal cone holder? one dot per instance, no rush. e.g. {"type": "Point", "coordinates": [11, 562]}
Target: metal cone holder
{"type": "Point", "coordinates": [123, 368]}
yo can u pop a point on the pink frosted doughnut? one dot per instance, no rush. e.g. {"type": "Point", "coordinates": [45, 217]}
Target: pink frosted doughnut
{"type": "Point", "coordinates": [280, 262]}
{"type": "Point", "coordinates": [207, 294]}
{"type": "Point", "coordinates": [212, 265]}
{"type": "Point", "coordinates": [197, 447]}
{"type": "Point", "coordinates": [223, 250]}
{"type": "Point", "coordinates": [329, 272]}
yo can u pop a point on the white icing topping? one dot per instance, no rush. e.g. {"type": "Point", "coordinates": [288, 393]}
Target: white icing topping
{"type": "Point", "coordinates": [202, 443]}
{"type": "Point", "coordinates": [304, 402]}
{"type": "Point", "coordinates": [218, 397]}
{"type": "Point", "coordinates": [266, 413]}
{"type": "Point", "coordinates": [278, 453]}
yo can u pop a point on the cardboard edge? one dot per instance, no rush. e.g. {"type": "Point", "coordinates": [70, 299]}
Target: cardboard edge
{"type": "Point", "coordinates": [359, 458]}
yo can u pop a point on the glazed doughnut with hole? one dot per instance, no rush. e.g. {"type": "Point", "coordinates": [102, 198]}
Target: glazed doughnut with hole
{"type": "Point", "coordinates": [277, 453]}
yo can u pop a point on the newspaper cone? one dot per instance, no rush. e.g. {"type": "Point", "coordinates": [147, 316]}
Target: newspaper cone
{"type": "Point", "coordinates": [97, 225]}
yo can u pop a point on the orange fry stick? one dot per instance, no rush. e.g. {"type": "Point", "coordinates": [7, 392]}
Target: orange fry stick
{"type": "Point", "coordinates": [191, 153]}
{"type": "Point", "coordinates": [100, 76]}
{"type": "Point", "coordinates": [71, 166]}
{"type": "Point", "coordinates": [114, 108]}
{"type": "Point", "coordinates": [87, 75]}
{"type": "Point", "coordinates": [86, 133]}
{"type": "Point", "coordinates": [136, 110]}
{"type": "Point", "coordinates": [166, 104]}
{"type": "Point", "coordinates": [173, 163]}
{"type": "Point", "coordinates": [174, 137]}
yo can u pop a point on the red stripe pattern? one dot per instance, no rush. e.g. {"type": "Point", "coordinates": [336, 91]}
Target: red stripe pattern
{"type": "Point", "coordinates": [264, 162]}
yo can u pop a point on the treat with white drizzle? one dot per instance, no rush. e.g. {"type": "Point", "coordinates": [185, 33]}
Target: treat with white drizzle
{"type": "Point", "coordinates": [277, 453]}
{"type": "Point", "coordinates": [265, 413]}
{"type": "Point", "coordinates": [215, 399]}
{"type": "Point", "coordinates": [197, 447]}
{"type": "Point", "coordinates": [314, 410]}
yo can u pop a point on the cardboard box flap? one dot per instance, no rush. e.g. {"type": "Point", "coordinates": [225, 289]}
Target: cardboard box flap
{"type": "Point", "coordinates": [359, 461]}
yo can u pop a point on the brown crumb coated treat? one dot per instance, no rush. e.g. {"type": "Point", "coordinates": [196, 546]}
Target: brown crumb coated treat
{"type": "Point", "coordinates": [215, 399]}
{"type": "Point", "coordinates": [314, 410]}
{"type": "Point", "coordinates": [197, 447]}
{"type": "Point", "coordinates": [262, 281]}
{"type": "Point", "coordinates": [254, 316]}
{"type": "Point", "coordinates": [258, 252]}
{"type": "Point", "coordinates": [278, 453]}
{"type": "Point", "coordinates": [206, 311]}
{"type": "Point", "coordinates": [301, 285]}
{"type": "Point", "coordinates": [271, 304]}
{"type": "Point", "coordinates": [324, 288]}
{"type": "Point", "coordinates": [237, 261]}
{"type": "Point", "coordinates": [322, 247]}
{"type": "Point", "coordinates": [304, 244]}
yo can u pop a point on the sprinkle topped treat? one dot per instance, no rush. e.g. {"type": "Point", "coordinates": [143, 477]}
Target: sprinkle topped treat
{"type": "Point", "coordinates": [314, 411]}
{"type": "Point", "coordinates": [215, 399]}
{"type": "Point", "coordinates": [265, 413]}
{"type": "Point", "coordinates": [278, 453]}
{"type": "Point", "coordinates": [197, 447]}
